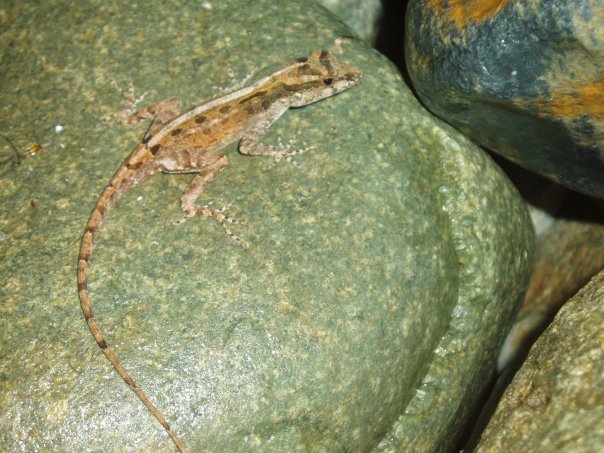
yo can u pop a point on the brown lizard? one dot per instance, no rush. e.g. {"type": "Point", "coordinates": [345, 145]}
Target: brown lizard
{"type": "Point", "coordinates": [193, 143]}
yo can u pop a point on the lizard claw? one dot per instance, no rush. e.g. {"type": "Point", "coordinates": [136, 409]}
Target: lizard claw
{"type": "Point", "coordinates": [216, 214]}
{"type": "Point", "coordinates": [286, 153]}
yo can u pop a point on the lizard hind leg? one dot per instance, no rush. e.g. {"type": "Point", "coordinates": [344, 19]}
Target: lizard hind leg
{"type": "Point", "coordinates": [188, 200]}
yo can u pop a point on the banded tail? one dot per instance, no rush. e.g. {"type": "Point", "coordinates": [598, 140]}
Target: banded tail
{"type": "Point", "coordinates": [130, 174]}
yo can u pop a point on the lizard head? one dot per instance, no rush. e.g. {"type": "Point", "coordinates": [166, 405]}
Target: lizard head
{"type": "Point", "coordinates": [316, 77]}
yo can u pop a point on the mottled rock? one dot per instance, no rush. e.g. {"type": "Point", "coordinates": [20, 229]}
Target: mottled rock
{"type": "Point", "coordinates": [522, 78]}
{"type": "Point", "coordinates": [380, 279]}
{"type": "Point", "coordinates": [556, 401]}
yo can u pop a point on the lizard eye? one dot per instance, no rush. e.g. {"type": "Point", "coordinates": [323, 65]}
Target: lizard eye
{"type": "Point", "coordinates": [328, 81]}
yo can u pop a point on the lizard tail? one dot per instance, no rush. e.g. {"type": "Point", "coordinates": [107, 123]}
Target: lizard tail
{"type": "Point", "coordinates": [106, 201]}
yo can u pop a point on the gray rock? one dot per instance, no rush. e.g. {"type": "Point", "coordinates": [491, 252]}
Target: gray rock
{"type": "Point", "coordinates": [523, 78]}
{"type": "Point", "coordinates": [380, 277]}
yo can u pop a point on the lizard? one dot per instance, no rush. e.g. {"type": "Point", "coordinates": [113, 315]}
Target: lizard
{"type": "Point", "coordinates": [193, 142]}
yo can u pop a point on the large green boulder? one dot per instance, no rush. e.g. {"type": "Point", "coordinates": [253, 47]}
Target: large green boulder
{"type": "Point", "coordinates": [380, 276]}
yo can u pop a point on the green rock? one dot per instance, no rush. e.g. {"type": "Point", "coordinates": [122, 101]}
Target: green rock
{"type": "Point", "coordinates": [363, 16]}
{"type": "Point", "coordinates": [379, 281]}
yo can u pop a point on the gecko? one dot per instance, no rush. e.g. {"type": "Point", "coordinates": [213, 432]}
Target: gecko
{"type": "Point", "coordinates": [193, 142]}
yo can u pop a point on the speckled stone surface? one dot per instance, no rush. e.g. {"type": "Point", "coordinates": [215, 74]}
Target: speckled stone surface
{"type": "Point", "coordinates": [463, 359]}
{"type": "Point", "coordinates": [523, 78]}
{"type": "Point", "coordinates": [379, 281]}
{"type": "Point", "coordinates": [363, 16]}
{"type": "Point", "coordinates": [556, 401]}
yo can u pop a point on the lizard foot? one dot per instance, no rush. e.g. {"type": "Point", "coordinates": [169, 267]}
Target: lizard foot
{"type": "Point", "coordinates": [217, 214]}
{"type": "Point", "coordinates": [234, 82]}
{"type": "Point", "coordinates": [130, 100]}
{"type": "Point", "coordinates": [285, 152]}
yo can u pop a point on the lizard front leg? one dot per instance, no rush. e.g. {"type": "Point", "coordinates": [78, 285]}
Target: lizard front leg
{"type": "Point", "coordinates": [251, 145]}
{"type": "Point", "coordinates": [162, 113]}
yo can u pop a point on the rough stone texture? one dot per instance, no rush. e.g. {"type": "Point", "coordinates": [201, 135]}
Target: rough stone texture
{"type": "Point", "coordinates": [556, 401]}
{"type": "Point", "coordinates": [363, 16]}
{"type": "Point", "coordinates": [569, 253]}
{"type": "Point", "coordinates": [435, 417]}
{"type": "Point", "coordinates": [381, 276]}
{"type": "Point", "coordinates": [522, 78]}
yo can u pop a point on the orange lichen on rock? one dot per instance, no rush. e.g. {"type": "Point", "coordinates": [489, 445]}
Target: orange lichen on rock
{"type": "Point", "coordinates": [466, 12]}
{"type": "Point", "coordinates": [569, 104]}
{"type": "Point", "coordinates": [586, 100]}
